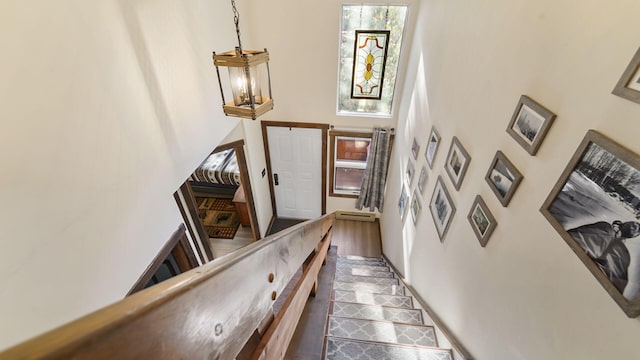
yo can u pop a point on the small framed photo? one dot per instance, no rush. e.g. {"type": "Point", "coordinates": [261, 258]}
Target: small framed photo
{"type": "Point", "coordinates": [432, 146]}
{"type": "Point", "coordinates": [628, 86]}
{"type": "Point", "coordinates": [442, 208]}
{"type": "Point", "coordinates": [595, 207]}
{"type": "Point", "coordinates": [422, 179]}
{"type": "Point", "coordinates": [529, 124]}
{"type": "Point", "coordinates": [415, 149]}
{"type": "Point", "coordinates": [482, 221]}
{"type": "Point", "coordinates": [402, 202]}
{"type": "Point", "coordinates": [410, 170]}
{"type": "Point", "coordinates": [415, 207]}
{"type": "Point", "coordinates": [503, 178]}
{"type": "Point", "coordinates": [457, 163]}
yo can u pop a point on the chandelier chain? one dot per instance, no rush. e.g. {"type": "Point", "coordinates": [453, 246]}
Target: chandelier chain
{"type": "Point", "coordinates": [236, 20]}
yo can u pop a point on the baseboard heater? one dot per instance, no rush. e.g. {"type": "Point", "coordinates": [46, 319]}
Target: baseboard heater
{"type": "Point", "coordinates": [350, 215]}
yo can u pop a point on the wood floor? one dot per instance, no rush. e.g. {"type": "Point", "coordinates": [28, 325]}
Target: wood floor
{"type": "Point", "coordinates": [357, 238]}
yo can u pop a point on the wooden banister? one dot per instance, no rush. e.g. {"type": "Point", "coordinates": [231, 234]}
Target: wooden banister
{"type": "Point", "coordinates": [206, 313]}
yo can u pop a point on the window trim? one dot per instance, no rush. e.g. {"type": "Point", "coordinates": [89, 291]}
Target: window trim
{"type": "Point", "coordinates": [333, 134]}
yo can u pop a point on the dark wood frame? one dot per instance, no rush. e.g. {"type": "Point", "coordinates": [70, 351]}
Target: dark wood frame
{"type": "Point", "coordinates": [483, 239]}
{"type": "Point", "coordinates": [332, 156]}
{"type": "Point", "coordinates": [190, 211]}
{"type": "Point", "coordinates": [621, 89]}
{"type": "Point", "coordinates": [630, 307]}
{"type": "Point", "coordinates": [355, 58]}
{"type": "Point", "coordinates": [177, 242]}
{"type": "Point", "coordinates": [433, 133]}
{"type": "Point", "coordinates": [548, 116]}
{"type": "Point", "coordinates": [451, 205]}
{"type": "Point", "coordinates": [415, 214]}
{"type": "Point", "coordinates": [504, 200]}
{"type": "Point", "coordinates": [457, 182]}
{"type": "Point", "coordinates": [265, 140]}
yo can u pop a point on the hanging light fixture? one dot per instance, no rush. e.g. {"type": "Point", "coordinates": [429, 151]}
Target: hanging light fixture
{"type": "Point", "coordinates": [249, 78]}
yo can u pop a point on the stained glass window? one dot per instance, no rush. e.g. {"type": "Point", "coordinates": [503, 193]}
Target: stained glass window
{"type": "Point", "coordinates": [370, 56]}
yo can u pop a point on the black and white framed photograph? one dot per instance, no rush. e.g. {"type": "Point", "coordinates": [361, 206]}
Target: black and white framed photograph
{"type": "Point", "coordinates": [503, 178]}
{"type": "Point", "coordinates": [422, 180]}
{"type": "Point", "coordinates": [482, 221]}
{"type": "Point", "coordinates": [402, 202]}
{"type": "Point", "coordinates": [595, 207]}
{"type": "Point", "coordinates": [628, 87]}
{"type": "Point", "coordinates": [530, 123]}
{"type": "Point", "coordinates": [415, 149]}
{"type": "Point", "coordinates": [432, 147]}
{"type": "Point", "coordinates": [410, 170]}
{"type": "Point", "coordinates": [416, 206]}
{"type": "Point", "coordinates": [442, 208]}
{"type": "Point", "coordinates": [457, 163]}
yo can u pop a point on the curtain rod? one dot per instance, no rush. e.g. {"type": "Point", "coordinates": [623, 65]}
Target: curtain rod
{"type": "Point", "coordinates": [333, 127]}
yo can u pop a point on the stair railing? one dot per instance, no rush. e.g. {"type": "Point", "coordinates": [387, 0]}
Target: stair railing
{"type": "Point", "coordinates": [210, 312]}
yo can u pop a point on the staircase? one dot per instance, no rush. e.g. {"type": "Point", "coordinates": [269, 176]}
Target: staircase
{"type": "Point", "coordinates": [372, 316]}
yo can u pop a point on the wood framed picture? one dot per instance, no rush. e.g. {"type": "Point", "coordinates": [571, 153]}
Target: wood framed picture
{"type": "Point", "coordinates": [415, 149]}
{"type": "Point", "coordinates": [422, 180]}
{"type": "Point", "coordinates": [402, 202]}
{"type": "Point", "coordinates": [595, 206]}
{"type": "Point", "coordinates": [503, 178]}
{"type": "Point", "coordinates": [529, 124]}
{"type": "Point", "coordinates": [411, 169]}
{"type": "Point", "coordinates": [457, 163]}
{"type": "Point", "coordinates": [442, 208]}
{"type": "Point", "coordinates": [432, 147]}
{"type": "Point", "coordinates": [482, 221]}
{"type": "Point", "coordinates": [628, 86]}
{"type": "Point", "coordinates": [415, 207]}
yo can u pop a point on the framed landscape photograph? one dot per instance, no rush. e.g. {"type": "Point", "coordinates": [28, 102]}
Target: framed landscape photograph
{"type": "Point", "coordinates": [482, 221]}
{"type": "Point", "coordinates": [415, 207]}
{"type": "Point", "coordinates": [402, 202]}
{"type": "Point", "coordinates": [595, 206]}
{"type": "Point", "coordinates": [410, 170]}
{"type": "Point", "coordinates": [422, 179]}
{"type": "Point", "coordinates": [529, 124]}
{"type": "Point", "coordinates": [457, 163]}
{"type": "Point", "coordinates": [628, 87]}
{"type": "Point", "coordinates": [503, 178]}
{"type": "Point", "coordinates": [432, 146]}
{"type": "Point", "coordinates": [415, 149]}
{"type": "Point", "coordinates": [442, 208]}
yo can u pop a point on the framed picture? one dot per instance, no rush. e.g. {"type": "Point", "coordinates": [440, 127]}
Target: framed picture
{"type": "Point", "coordinates": [422, 179]}
{"type": "Point", "coordinates": [415, 207]}
{"type": "Point", "coordinates": [529, 124]}
{"type": "Point", "coordinates": [457, 163]}
{"type": "Point", "coordinates": [369, 61]}
{"type": "Point", "coordinates": [415, 149]}
{"type": "Point", "coordinates": [432, 146]}
{"type": "Point", "coordinates": [482, 221]}
{"type": "Point", "coordinates": [595, 206]}
{"type": "Point", "coordinates": [628, 86]}
{"type": "Point", "coordinates": [503, 178]}
{"type": "Point", "coordinates": [442, 208]}
{"type": "Point", "coordinates": [402, 203]}
{"type": "Point", "coordinates": [410, 170]}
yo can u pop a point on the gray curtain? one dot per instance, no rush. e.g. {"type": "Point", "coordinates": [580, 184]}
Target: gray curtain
{"type": "Point", "coordinates": [375, 174]}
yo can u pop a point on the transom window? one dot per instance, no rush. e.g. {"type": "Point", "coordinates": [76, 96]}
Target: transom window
{"type": "Point", "coordinates": [378, 31]}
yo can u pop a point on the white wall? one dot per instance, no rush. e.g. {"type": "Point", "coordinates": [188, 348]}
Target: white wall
{"type": "Point", "coordinates": [526, 295]}
{"type": "Point", "coordinates": [107, 106]}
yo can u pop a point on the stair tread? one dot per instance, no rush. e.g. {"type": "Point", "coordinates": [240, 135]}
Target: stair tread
{"type": "Point", "coordinates": [380, 267]}
{"type": "Point", "coordinates": [357, 257]}
{"type": "Point", "coordinates": [367, 279]}
{"type": "Point", "coordinates": [343, 260]}
{"type": "Point", "coordinates": [345, 349]}
{"type": "Point", "coordinates": [371, 288]}
{"type": "Point", "coordinates": [381, 331]}
{"type": "Point", "coordinates": [364, 272]}
{"type": "Point", "coordinates": [376, 312]}
{"type": "Point", "coordinates": [400, 301]}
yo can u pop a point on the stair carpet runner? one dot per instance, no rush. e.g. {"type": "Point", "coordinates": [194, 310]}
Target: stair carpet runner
{"type": "Point", "coordinates": [371, 316]}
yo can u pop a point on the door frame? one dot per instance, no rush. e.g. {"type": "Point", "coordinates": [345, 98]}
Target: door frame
{"type": "Point", "coordinates": [267, 155]}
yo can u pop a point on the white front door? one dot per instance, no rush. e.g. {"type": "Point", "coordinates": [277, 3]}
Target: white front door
{"type": "Point", "coordinates": [296, 165]}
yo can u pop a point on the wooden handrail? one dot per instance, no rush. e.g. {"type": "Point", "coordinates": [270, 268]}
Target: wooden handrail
{"type": "Point", "coordinates": [206, 313]}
